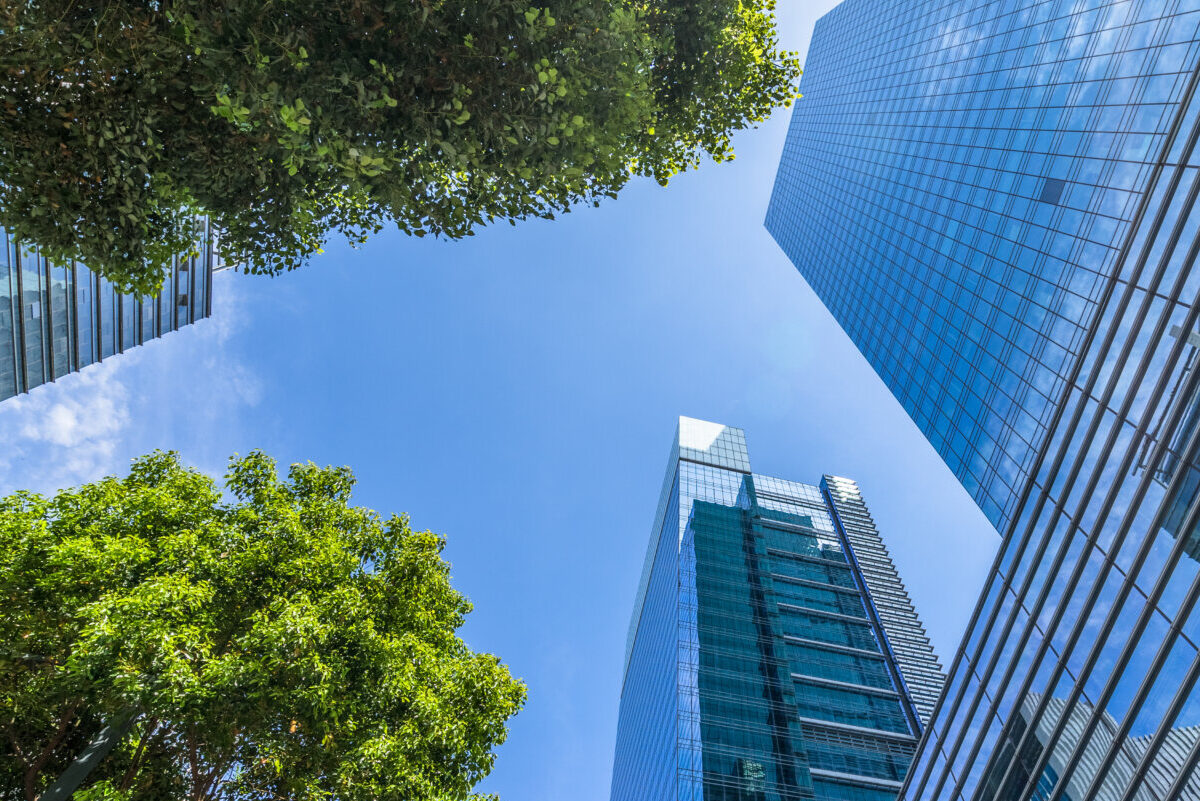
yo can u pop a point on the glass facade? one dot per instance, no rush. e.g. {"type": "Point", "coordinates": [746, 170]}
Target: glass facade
{"type": "Point", "coordinates": [996, 200]}
{"type": "Point", "coordinates": [774, 654]}
{"type": "Point", "coordinates": [56, 319]}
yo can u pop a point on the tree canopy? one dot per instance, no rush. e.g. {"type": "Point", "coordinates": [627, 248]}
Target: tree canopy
{"type": "Point", "coordinates": [275, 642]}
{"type": "Point", "coordinates": [121, 120]}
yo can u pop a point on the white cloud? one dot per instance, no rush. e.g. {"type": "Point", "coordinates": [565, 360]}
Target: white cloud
{"type": "Point", "coordinates": [64, 433]}
{"type": "Point", "coordinates": [171, 393]}
{"type": "Point", "coordinates": [74, 421]}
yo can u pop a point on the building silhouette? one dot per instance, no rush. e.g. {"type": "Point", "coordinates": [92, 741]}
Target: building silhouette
{"type": "Point", "coordinates": [996, 201]}
{"type": "Point", "coordinates": [57, 319]}
{"type": "Point", "coordinates": [774, 654]}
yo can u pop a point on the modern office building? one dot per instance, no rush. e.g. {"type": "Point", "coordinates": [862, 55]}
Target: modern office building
{"type": "Point", "coordinates": [773, 653]}
{"type": "Point", "coordinates": [996, 201]}
{"type": "Point", "coordinates": [55, 320]}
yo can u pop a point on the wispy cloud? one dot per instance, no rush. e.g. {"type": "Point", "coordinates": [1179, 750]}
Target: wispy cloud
{"type": "Point", "coordinates": [171, 393]}
{"type": "Point", "coordinates": [65, 433]}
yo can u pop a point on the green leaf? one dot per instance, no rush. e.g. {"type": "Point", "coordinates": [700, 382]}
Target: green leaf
{"type": "Point", "coordinates": [196, 124]}
{"type": "Point", "coordinates": [239, 622]}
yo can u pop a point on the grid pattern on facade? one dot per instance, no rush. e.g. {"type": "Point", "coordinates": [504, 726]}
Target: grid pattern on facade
{"type": "Point", "coordinates": [748, 734]}
{"type": "Point", "coordinates": [702, 443]}
{"type": "Point", "coordinates": [1090, 608]}
{"type": "Point", "coordinates": [757, 672]}
{"type": "Point", "coordinates": [57, 319]}
{"type": "Point", "coordinates": [891, 606]}
{"type": "Point", "coordinates": [955, 187]}
{"type": "Point", "coordinates": [1077, 678]}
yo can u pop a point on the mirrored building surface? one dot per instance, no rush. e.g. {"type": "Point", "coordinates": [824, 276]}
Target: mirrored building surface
{"type": "Point", "coordinates": [997, 201]}
{"type": "Point", "coordinates": [55, 320]}
{"type": "Point", "coordinates": [773, 653]}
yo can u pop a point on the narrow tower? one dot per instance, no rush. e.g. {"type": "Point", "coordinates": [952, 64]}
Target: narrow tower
{"type": "Point", "coordinates": [773, 653]}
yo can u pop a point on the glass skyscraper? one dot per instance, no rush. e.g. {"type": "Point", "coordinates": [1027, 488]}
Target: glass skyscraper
{"type": "Point", "coordinates": [996, 200]}
{"type": "Point", "coordinates": [55, 320]}
{"type": "Point", "coordinates": [773, 652]}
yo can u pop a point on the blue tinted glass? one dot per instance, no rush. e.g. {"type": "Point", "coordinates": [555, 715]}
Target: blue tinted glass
{"type": "Point", "coordinates": [764, 662]}
{"type": "Point", "coordinates": [997, 201]}
{"type": "Point", "coordinates": [56, 319]}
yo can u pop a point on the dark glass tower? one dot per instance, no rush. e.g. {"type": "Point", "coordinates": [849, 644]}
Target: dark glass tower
{"type": "Point", "coordinates": [773, 654]}
{"type": "Point", "coordinates": [55, 320]}
{"type": "Point", "coordinates": [996, 200]}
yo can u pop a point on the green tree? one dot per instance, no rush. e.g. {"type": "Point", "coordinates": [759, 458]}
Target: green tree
{"type": "Point", "coordinates": [285, 121]}
{"type": "Point", "coordinates": [273, 643]}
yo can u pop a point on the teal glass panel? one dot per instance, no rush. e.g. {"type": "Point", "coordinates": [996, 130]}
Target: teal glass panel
{"type": "Point", "coordinates": [840, 791]}
{"type": "Point", "coordinates": [827, 663]}
{"type": "Point", "coordinates": [824, 628]}
{"type": "Point", "coordinates": [803, 544]}
{"type": "Point", "coordinates": [858, 754]}
{"type": "Point", "coordinates": [811, 597]}
{"type": "Point", "coordinates": [851, 707]}
{"type": "Point", "coordinates": [785, 564]}
{"type": "Point", "coordinates": [759, 667]}
{"type": "Point", "coordinates": [128, 322]}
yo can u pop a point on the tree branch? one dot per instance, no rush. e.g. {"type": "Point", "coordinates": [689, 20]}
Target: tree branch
{"type": "Point", "coordinates": [35, 767]}
{"type": "Point", "coordinates": [16, 745]}
{"type": "Point", "coordinates": [135, 763]}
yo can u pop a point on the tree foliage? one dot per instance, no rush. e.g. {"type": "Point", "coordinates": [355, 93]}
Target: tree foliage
{"type": "Point", "coordinates": [284, 120]}
{"type": "Point", "coordinates": [275, 644]}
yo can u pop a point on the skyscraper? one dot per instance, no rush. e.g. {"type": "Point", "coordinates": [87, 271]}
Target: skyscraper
{"type": "Point", "coordinates": [55, 320]}
{"type": "Point", "coordinates": [773, 653]}
{"type": "Point", "coordinates": [996, 200]}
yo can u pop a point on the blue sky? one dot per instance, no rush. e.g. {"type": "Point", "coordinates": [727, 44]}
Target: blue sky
{"type": "Point", "coordinates": [518, 392]}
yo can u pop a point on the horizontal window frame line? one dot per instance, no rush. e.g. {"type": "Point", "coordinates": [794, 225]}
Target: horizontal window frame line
{"type": "Point", "coordinates": [787, 527]}
{"type": "Point", "coordinates": [847, 778]}
{"type": "Point", "coordinates": [773, 551]}
{"type": "Point", "coordinates": [818, 585]}
{"type": "Point", "coordinates": [845, 685]}
{"type": "Point", "coordinates": [850, 727]}
{"type": "Point", "coordinates": [714, 466]}
{"type": "Point", "coordinates": [847, 649]}
{"type": "Point", "coordinates": [865, 621]}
